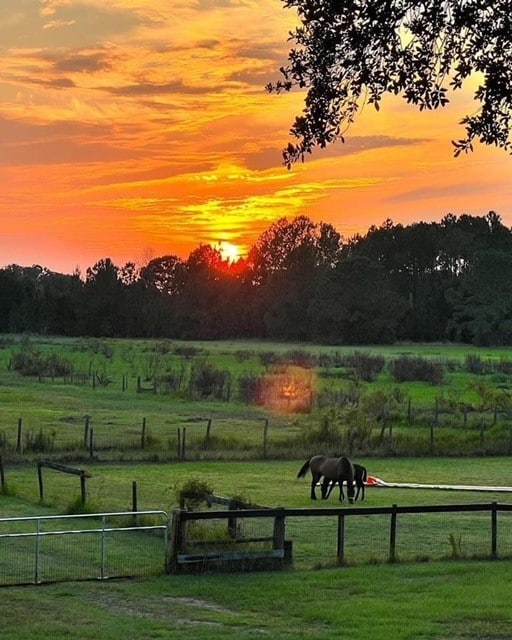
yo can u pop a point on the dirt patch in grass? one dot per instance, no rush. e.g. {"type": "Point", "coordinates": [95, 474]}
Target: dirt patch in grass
{"type": "Point", "coordinates": [178, 612]}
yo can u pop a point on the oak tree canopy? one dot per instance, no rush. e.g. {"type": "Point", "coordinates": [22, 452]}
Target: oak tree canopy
{"type": "Point", "coordinates": [346, 54]}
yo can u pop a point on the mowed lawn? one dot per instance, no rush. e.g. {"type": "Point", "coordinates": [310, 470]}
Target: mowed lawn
{"type": "Point", "coordinates": [434, 601]}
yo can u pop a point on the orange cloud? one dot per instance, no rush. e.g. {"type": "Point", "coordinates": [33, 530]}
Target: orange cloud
{"type": "Point", "coordinates": [142, 126]}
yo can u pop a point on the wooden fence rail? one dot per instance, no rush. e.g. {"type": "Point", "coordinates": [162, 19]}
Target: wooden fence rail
{"type": "Point", "coordinates": [180, 540]}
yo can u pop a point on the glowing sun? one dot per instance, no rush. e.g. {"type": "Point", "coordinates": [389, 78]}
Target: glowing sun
{"type": "Point", "coordinates": [229, 252]}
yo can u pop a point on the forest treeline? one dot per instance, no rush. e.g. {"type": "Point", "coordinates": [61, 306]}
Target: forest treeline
{"type": "Point", "coordinates": [301, 281]}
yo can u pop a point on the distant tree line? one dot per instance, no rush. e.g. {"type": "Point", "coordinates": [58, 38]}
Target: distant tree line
{"type": "Point", "coordinates": [448, 280]}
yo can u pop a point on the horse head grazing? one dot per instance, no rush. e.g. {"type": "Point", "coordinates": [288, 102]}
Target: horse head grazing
{"type": "Point", "coordinates": [346, 472]}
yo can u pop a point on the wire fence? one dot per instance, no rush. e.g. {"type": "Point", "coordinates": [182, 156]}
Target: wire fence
{"type": "Point", "coordinates": [41, 549]}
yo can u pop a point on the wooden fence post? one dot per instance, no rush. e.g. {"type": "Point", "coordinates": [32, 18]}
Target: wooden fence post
{"type": "Point", "coordinates": [86, 432]}
{"type": "Point", "coordinates": [278, 534]}
{"type": "Point", "coordinates": [494, 530]}
{"type": "Point", "coordinates": [184, 443]}
{"type": "Point", "coordinates": [392, 536]}
{"type": "Point", "coordinates": [40, 481]}
{"type": "Point", "coordinates": [179, 443]}
{"type": "Point", "coordinates": [208, 430]}
{"type": "Point", "coordinates": [143, 434]}
{"type": "Point", "coordinates": [2, 475]}
{"type": "Point", "coordinates": [82, 488]}
{"type": "Point", "coordinates": [431, 438]}
{"type": "Point", "coordinates": [265, 437]}
{"type": "Point", "coordinates": [91, 442]}
{"type": "Point", "coordinates": [18, 441]}
{"type": "Point", "coordinates": [340, 551]}
{"type": "Point", "coordinates": [232, 522]}
{"type": "Point", "coordinates": [177, 535]}
{"type": "Point", "coordinates": [134, 499]}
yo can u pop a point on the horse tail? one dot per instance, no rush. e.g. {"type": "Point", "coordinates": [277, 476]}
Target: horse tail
{"type": "Point", "coordinates": [304, 469]}
{"type": "Point", "coordinates": [364, 474]}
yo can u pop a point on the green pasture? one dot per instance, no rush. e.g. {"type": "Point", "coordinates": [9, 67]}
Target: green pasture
{"type": "Point", "coordinates": [274, 484]}
{"type": "Point", "coordinates": [270, 483]}
{"type": "Point", "coordinates": [462, 597]}
{"type": "Point", "coordinates": [432, 601]}
{"type": "Point", "coordinates": [57, 414]}
{"type": "Point", "coordinates": [458, 598]}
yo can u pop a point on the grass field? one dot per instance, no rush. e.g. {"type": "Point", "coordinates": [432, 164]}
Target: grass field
{"type": "Point", "coordinates": [79, 417]}
{"type": "Point", "coordinates": [461, 599]}
{"type": "Point", "coordinates": [454, 600]}
{"type": "Point", "coordinates": [275, 484]}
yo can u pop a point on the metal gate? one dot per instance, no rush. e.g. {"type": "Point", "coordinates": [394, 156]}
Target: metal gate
{"type": "Point", "coordinates": [39, 549]}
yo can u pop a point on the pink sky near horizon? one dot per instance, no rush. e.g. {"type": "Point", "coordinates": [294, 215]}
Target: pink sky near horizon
{"type": "Point", "coordinates": [143, 128]}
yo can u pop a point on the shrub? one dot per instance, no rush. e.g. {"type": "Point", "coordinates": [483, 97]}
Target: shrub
{"type": "Point", "coordinates": [407, 368]}
{"type": "Point", "coordinates": [243, 354]}
{"type": "Point", "coordinates": [206, 381]}
{"type": "Point", "coordinates": [475, 365]}
{"type": "Point", "coordinates": [192, 493]}
{"type": "Point", "coordinates": [33, 363]}
{"type": "Point", "coordinates": [187, 352]}
{"type": "Point", "coordinates": [269, 358]}
{"type": "Point", "coordinates": [365, 366]}
{"type": "Point", "coordinates": [251, 388]}
{"type": "Point", "coordinates": [504, 366]}
{"type": "Point", "coordinates": [324, 433]}
{"type": "Point", "coordinates": [300, 358]}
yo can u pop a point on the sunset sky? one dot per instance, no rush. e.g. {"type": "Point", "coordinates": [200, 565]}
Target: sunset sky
{"type": "Point", "coordinates": [133, 129]}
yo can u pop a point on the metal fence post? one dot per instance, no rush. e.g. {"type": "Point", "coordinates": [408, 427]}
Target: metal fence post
{"type": "Point", "coordinates": [37, 577]}
{"type": "Point", "coordinates": [102, 571]}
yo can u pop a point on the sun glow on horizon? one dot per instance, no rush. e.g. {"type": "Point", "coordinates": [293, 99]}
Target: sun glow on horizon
{"type": "Point", "coordinates": [144, 127]}
{"type": "Point", "coordinates": [229, 252]}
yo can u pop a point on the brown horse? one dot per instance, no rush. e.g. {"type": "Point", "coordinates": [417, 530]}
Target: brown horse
{"type": "Point", "coordinates": [360, 477]}
{"type": "Point", "coordinates": [337, 469]}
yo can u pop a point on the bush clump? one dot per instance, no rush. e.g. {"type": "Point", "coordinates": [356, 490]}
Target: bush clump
{"type": "Point", "coordinates": [408, 368]}
{"type": "Point", "coordinates": [192, 493]}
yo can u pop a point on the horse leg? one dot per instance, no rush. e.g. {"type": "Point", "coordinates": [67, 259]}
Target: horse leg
{"type": "Point", "coordinates": [350, 491]}
{"type": "Point", "coordinates": [316, 478]}
{"type": "Point", "coordinates": [342, 495]}
{"type": "Point", "coordinates": [325, 488]}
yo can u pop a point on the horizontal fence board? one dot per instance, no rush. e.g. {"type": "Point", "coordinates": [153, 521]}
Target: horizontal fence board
{"type": "Point", "coordinates": [330, 536]}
